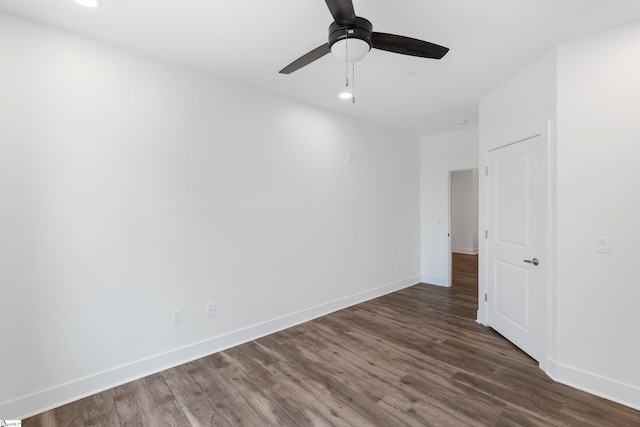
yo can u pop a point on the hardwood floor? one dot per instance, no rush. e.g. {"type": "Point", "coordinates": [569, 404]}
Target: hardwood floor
{"type": "Point", "coordinates": [415, 357]}
{"type": "Point", "coordinates": [464, 282]}
{"type": "Point", "coordinates": [465, 271]}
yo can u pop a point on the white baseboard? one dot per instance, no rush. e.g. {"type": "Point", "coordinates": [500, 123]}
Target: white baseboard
{"type": "Point", "coordinates": [45, 400]}
{"type": "Point", "coordinates": [465, 251]}
{"type": "Point", "coordinates": [433, 280]}
{"type": "Point", "coordinates": [616, 391]}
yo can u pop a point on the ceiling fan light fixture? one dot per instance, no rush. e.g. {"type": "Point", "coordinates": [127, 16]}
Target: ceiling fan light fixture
{"type": "Point", "coordinates": [350, 49]}
{"type": "Point", "coordinates": [89, 3]}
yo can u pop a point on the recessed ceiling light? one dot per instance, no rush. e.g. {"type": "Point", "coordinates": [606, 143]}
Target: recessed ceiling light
{"type": "Point", "coordinates": [89, 3]}
{"type": "Point", "coordinates": [412, 73]}
{"type": "Point", "coordinates": [346, 94]}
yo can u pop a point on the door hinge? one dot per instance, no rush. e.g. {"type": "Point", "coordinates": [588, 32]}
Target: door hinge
{"type": "Point", "coordinates": [485, 297]}
{"type": "Point", "coordinates": [486, 234]}
{"type": "Point", "coordinates": [486, 170]}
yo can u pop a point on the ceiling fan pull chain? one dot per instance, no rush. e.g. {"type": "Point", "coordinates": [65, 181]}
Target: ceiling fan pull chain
{"type": "Point", "coordinates": [346, 58]}
{"type": "Point", "coordinates": [353, 82]}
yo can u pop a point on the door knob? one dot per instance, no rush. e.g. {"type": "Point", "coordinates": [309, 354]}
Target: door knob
{"type": "Point", "coordinates": [534, 261]}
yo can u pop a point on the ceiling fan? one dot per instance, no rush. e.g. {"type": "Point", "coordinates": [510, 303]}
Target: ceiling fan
{"type": "Point", "coordinates": [352, 37]}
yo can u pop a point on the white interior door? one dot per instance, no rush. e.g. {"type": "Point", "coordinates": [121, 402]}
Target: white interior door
{"type": "Point", "coordinates": [515, 251]}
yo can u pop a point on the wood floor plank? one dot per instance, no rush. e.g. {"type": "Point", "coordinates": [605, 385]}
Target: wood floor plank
{"type": "Point", "coordinates": [415, 357]}
{"type": "Point", "coordinates": [190, 397]}
{"type": "Point", "coordinates": [525, 400]}
{"type": "Point", "coordinates": [513, 417]}
{"type": "Point", "coordinates": [317, 396]}
{"type": "Point", "coordinates": [157, 403]}
{"type": "Point", "coordinates": [126, 404]}
{"type": "Point", "coordinates": [45, 419]}
{"type": "Point", "coordinates": [458, 399]}
{"type": "Point", "coordinates": [416, 411]}
{"type": "Point", "coordinates": [70, 415]}
{"type": "Point", "coordinates": [100, 409]}
{"type": "Point", "coordinates": [228, 407]}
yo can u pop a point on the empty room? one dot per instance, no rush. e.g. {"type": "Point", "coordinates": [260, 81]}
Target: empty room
{"type": "Point", "coordinates": [319, 213]}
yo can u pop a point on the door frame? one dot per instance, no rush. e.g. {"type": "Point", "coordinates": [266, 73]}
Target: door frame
{"type": "Point", "coordinates": [547, 132]}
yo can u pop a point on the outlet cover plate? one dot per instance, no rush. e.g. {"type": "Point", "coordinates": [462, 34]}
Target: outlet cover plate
{"type": "Point", "coordinates": [177, 317]}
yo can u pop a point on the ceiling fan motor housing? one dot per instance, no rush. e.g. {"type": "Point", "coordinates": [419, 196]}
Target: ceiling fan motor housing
{"type": "Point", "coordinates": [361, 30]}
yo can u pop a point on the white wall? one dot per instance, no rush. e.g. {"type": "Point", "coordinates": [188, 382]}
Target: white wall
{"type": "Point", "coordinates": [598, 186]}
{"type": "Point", "coordinates": [464, 211]}
{"type": "Point", "coordinates": [590, 90]}
{"type": "Point", "coordinates": [439, 155]}
{"type": "Point", "coordinates": [519, 107]}
{"type": "Point", "coordinates": [130, 187]}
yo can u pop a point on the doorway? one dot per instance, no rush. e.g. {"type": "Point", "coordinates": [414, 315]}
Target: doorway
{"type": "Point", "coordinates": [463, 233]}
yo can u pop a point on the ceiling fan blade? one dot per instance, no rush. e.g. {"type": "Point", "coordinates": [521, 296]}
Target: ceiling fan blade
{"type": "Point", "coordinates": [306, 59]}
{"type": "Point", "coordinates": [342, 11]}
{"type": "Point", "coordinates": [407, 46]}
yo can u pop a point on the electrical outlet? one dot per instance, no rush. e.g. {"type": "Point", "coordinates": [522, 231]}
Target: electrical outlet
{"type": "Point", "coordinates": [211, 309]}
{"type": "Point", "coordinates": [177, 317]}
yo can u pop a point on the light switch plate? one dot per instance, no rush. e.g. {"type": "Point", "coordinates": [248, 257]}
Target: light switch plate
{"type": "Point", "coordinates": [602, 245]}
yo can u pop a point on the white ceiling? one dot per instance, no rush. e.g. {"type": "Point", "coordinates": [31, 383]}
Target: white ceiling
{"type": "Point", "coordinates": [249, 41]}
